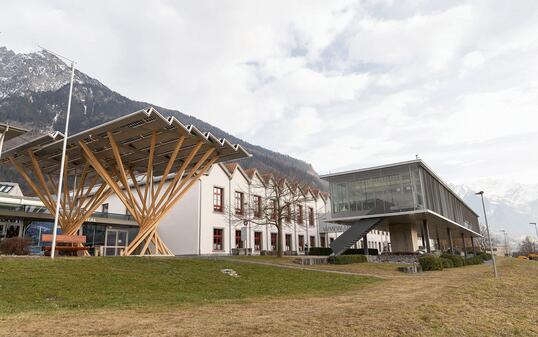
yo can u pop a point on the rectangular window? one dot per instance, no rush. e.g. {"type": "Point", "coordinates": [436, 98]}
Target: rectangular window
{"type": "Point", "coordinates": [312, 241]}
{"type": "Point", "coordinates": [287, 210]}
{"type": "Point", "coordinates": [300, 215]}
{"type": "Point", "coordinates": [274, 237]}
{"type": "Point", "coordinates": [238, 241]}
{"type": "Point", "coordinates": [288, 242]}
{"type": "Point", "coordinates": [257, 206]}
{"type": "Point", "coordinates": [311, 216]}
{"type": "Point", "coordinates": [301, 243]}
{"type": "Point", "coordinates": [218, 199]}
{"type": "Point", "coordinates": [322, 240]}
{"type": "Point", "coordinates": [218, 236]}
{"type": "Point", "coordinates": [104, 208]}
{"type": "Point", "coordinates": [257, 241]}
{"type": "Point", "coordinates": [239, 203]}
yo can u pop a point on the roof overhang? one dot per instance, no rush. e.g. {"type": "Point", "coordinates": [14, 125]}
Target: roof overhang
{"type": "Point", "coordinates": [10, 131]}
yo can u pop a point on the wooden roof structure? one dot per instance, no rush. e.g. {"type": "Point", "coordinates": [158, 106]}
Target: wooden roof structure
{"type": "Point", "coordinates": [114, 158]}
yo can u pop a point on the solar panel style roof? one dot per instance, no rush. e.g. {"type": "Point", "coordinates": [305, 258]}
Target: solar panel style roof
{"type": "Point", "coordinates": [133, 135]}
{"type": "Point", "coordinates": [11, 132]}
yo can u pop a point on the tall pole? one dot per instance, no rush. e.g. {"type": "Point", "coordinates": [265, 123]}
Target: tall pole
{"type": "Point", "coordinates": [2, 136]}
{"type": "Point", "coordinates": [60, 180]}
{"type": "Point", "coordinates": [535, 228]}
{"type": "Point", "coordinates": [481, 193]}
{"type": "Point", "coordinates": [505, 242]}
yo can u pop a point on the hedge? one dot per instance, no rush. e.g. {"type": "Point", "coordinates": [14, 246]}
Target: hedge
{"type": "Point", "coordinates": [430, 262]}
{"type": "Point", "coordinates": [347, 259]}
{"type": "Point", "coordinates": [457, 260]}
{"type": "Point", "coordinates": [15, 246]}
{"type": "Point", "coordinates": [485, 256]}
{"type": "Point", "coordinates": [474, 260]}
{"type": "Point", "coordinates": [320, 251]}
{"type": "Point", "coordinates": [447, 263]}
{"type": "Point", "coordinates": [360, 251]}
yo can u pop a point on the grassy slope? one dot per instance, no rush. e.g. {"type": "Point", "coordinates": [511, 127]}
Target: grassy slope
{"type": "Point", "coordinates": [41, 284]}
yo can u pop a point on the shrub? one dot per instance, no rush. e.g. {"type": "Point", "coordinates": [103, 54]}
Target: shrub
{"type": "Point", "coordinates": [320, 251]}
{"type": "Point", "coordinates": [457, 260]}
{"type": "Point", "coordinates": [347, 259]}
{"type": "Point", "coordinates": [15, 246]}
{"type": "Point", "coordinates": [474, 260]}
{"type": "Point", "coordinates": [430, 262]}
{"type": "Point", "coordinates": [485, 256]}
{"type": "Point", "coordinates": [447, 263]}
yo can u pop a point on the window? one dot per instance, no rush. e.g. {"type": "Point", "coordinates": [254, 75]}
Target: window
{"type": "Point", "coordinates": [311, 216]}
{"type": "Point", "coordinates": [274, 209]}
{"type": "Point", "coordinates": [218, 239]}
{"type": "Point", "coordinates": [322, 240]}
{"type": "Point", "coordinates": [257, 206]}
{"type": "Point", "coordinates": [331, 240]}
{"type": "Point", "coordinates": [238, 241]}
{"type": "Point", "coordinates": [257, 241]}
{"type": "Point", "coordinates": [104, 208]}
{"type": "Point", "coordinates": [274, 237]}
{"type": "Point", "coordinates": [288, 242]}
{"type": "Point", "coordinates": [287, 210]}
{"type": "Point", "coordinates": [300, 218]}
{"type": "Point", "coordinates": [301, 243]}
{"type": "Point", "coordinates": [5, 188]}
{"type": "Point", "coordinates": [218, 199]}
{"type": "Point", "coordinates": [239, 202]}
{"type": "Point", "coordinates": [312, 241]}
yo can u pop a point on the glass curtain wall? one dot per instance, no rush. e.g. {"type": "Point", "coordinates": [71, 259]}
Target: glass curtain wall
{"type": "Point", "coordinates": [387, 190]}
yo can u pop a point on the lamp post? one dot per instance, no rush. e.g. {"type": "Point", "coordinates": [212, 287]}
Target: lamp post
{"type": "Point", "coordinates": [535, 228]}
{"type": "Point", "coordinates": [481, 193]}
{"type": "Point", "coordinates": [505, 242]}
{"type": "Point", "coordinates": [64, 147]}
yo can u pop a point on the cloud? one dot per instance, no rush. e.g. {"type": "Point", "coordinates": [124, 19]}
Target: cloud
{"type": "Point", "coordinates": [342, 84]}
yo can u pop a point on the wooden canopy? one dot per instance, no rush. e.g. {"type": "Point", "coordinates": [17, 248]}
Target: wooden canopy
{"type": "Point", "coordinates": [9, 132]}
{"type": "Point", "coordinates": [116, 157]}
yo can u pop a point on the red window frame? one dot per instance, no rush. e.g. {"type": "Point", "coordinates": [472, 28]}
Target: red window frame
{"type": "Point", "coordinates": [218, 199]}
{"type": "Point", "coordinates": [300, 217]}
{"type": "Point", "coordinates": [257, 206]}
{"type": "Point", "coordinates": [288, 242]}
{"type": "Point", "coordinates": [218, 239]}
{"type": "Point", "coordinates": [257, 241]}
{"type": "Point", "coordinates": [311, 216]}
{"type": "Point", "coordinates": [301, 243]}
{"type": "Point", "coordinates": [238, 241]}
{"type": "Point", "coordinates": [239, 203]}
{"type": "Point", "coordinates": [274, 239]}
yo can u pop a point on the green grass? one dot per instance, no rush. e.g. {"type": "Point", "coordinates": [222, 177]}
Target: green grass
{"type": "Point", "coordinates": [40, 284]}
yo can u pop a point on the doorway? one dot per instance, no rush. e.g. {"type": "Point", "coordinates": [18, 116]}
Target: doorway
{"type": "Point", "coordinates": [115, 242]}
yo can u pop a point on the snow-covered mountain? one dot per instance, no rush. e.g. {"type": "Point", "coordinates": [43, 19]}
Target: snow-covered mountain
{"type": "Point", "coordinates": [509, 205]}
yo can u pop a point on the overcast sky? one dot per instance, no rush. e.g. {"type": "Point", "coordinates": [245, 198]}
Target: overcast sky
{"type": "Point", "coordinates": [340, 84]}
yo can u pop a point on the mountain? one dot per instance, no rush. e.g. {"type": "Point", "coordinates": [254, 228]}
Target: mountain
{"type": "Point", "coordinates": [33, 93]}
{"type": "Point", "coordinates": [509, 206]}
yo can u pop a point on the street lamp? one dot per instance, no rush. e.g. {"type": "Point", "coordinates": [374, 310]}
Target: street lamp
{"type": "Point", "coordinates": [505, 242]}
{"type": "Point", "coordinates": [535, 228]}
{"type": "Point", "coordinates": [481, 193]}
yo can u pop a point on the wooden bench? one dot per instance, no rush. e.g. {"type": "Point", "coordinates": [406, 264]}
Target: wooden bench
{"type": "Point", "coordinates": [70, 243]}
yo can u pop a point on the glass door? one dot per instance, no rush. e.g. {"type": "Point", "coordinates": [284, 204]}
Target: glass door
{"type": "Point", "coordinates": [115, 242]}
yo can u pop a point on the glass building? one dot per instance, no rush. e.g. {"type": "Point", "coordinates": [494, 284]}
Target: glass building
{"type": "Point", "coordinates": [408, 192]}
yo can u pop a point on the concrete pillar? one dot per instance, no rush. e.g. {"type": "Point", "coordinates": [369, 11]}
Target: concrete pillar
{"type": "Point", "coordinates": [438, 239]}
{"type": "Point", "coordinates": [463, 244]}
{"type": "Point", "coordinates": [451, 246]}
{"type": "Point", "coordinates": [472, 245]}
{"type": "Point", "coordinates": [403, 238]}
{"type": "Point", "coordinates": [365, 244]}
{"type": "Point", "coordinates": [426, 235]}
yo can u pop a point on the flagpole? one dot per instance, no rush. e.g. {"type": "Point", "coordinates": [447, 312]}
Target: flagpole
{"type": "Point", "coordinates": [60, 180]}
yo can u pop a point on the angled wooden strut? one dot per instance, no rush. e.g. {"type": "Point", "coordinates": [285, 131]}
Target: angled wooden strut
{"type": "Point", "coordinates": [148, 204]}
{"type": "Point", "coordinates": [79, 200]}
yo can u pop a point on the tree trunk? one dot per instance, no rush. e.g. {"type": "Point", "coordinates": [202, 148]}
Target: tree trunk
{"type": "Point", "coordinates": [280, 251]}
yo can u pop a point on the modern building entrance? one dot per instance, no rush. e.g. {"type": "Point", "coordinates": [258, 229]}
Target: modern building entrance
{"type": "Point", "coordinates": [115, 241]}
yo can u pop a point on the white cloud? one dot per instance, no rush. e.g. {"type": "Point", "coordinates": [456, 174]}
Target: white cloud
{"type": "Point", "coordinates": [341, 84]}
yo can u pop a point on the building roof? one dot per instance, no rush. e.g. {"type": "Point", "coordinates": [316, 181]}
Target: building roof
{"type": "Point", "coordinates": [10, 131]}
{"type": "Point", "coordinates": [133, 135]}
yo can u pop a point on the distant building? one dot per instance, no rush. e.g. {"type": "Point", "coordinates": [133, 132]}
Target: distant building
{"type": "Point", "coordinates": [408, 200]}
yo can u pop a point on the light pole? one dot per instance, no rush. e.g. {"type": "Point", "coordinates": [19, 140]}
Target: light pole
{"type": "Point", "coordinates": [481, 193]}
{"type": "Point", "coordinates": [60, 180]}
{"type": "Point", "coordinates": [535, 228]}
{"type": "Point", "coordinates": [505, 242]}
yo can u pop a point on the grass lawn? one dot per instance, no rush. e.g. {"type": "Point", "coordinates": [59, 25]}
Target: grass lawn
{"type": "Point", "coordinates": [36, 284]}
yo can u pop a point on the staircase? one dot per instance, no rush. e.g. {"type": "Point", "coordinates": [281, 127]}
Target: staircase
{"type": "Point", "coordinates": [356, 230]}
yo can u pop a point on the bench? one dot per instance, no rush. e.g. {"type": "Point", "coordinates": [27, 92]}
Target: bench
{"type": "Point", "coordinates": [69, 243]}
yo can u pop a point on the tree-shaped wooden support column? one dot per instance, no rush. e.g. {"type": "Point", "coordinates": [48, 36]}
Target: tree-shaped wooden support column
{"type": "Point", "coordinates": [83, 193]}
{"type": "Point", "coordinates": [149, 203]}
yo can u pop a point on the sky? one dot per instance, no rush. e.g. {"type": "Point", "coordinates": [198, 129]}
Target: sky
{"type": "Point", "coordinates": [340, 84]}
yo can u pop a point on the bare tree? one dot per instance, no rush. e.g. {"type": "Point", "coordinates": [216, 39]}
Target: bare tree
{"type": "Point", "coordinates": [482, 241]}
{"type": "Point", "coordinates": [527, 246]}
{"type": "Point", "coordinates": [282, 202]}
